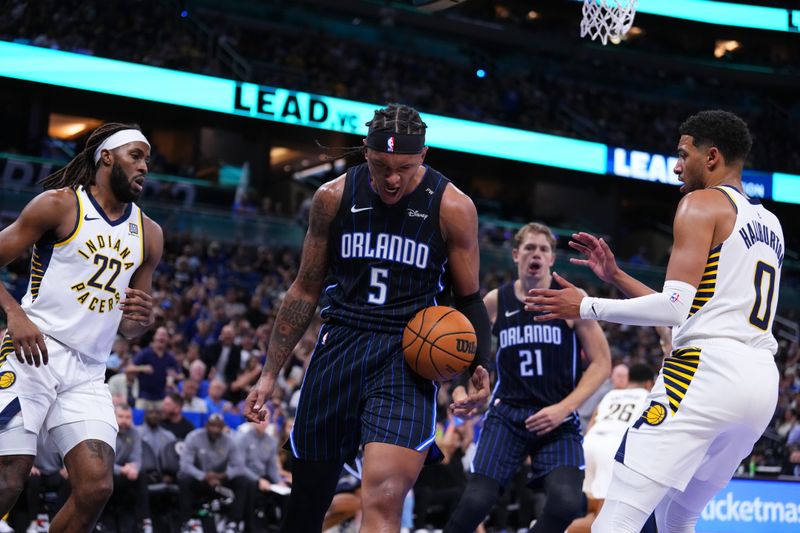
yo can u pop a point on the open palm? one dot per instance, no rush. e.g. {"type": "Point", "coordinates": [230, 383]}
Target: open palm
{"type": "Point", "coordinates": [599, 256]}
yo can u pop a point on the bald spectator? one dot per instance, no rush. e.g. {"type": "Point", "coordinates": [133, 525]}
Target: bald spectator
{"type": "Point", "coordinates": [215, 401]}
{"type": "Point", "coordinates": [210, 460]}
{"type": "Point", "coordinates": [124, 387]}
{"type": "Point", "coordinates": [191, 403]}
{"type": "Point", "coordinates": [224, 358]}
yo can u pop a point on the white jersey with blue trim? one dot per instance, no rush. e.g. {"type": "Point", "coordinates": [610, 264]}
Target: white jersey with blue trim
{"type": "Point", "coordinates": [618, 409]}
{"type": "Point", "coordinates": [738, 294]}
{"type": "Point", "coordinates": [78, 282]}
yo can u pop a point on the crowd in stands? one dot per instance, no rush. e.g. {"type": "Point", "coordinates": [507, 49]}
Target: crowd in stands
{"type": "Point", "coordinates": [185, 383]}
{"type": "Point", "coordinates": [599, 99]}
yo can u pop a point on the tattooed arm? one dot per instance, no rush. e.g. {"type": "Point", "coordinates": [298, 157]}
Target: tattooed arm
{"type": "Point", "coordinates": [301, 299]}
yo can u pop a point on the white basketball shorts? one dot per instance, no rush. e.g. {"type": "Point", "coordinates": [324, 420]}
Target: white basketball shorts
{"type": "Point", "coordinates": [70, 388]}
{"type": "Point", "coordinates": [710, 404]}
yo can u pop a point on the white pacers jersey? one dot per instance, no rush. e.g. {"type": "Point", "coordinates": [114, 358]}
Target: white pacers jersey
{"type": "Point", "coordinates": [618, 409]}
{"type": "Point", "coordinates": [738, 294]}
{"type": "Point", "coordinates": [77, 283]}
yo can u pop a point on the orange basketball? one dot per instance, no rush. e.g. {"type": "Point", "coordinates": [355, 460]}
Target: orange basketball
{"type": "Point", "coordinates": [439, 343]}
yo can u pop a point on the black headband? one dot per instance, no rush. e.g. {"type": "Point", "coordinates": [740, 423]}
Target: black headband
{"type": "Point", "coordinates": [395, 143]}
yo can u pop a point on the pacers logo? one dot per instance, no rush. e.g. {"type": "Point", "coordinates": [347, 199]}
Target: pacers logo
{"type": "Point", "coordinates": [7, 379]}
{"type": "Point", "coordinates": [652, 416]}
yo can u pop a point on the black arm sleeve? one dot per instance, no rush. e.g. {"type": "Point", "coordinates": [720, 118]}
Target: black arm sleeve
{"type": "Point", "coordinates": [474, 309]}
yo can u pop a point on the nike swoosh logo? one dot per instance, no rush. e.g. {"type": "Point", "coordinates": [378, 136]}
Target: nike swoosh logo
{"type": "Point", "coordinates": [511, 313]}
{"type": "Point", "coordinates": [594, 311]}
{"type": "Point", "coordinates": [355, 209]}
{"type": "Point", "coordinates": [87, 218]}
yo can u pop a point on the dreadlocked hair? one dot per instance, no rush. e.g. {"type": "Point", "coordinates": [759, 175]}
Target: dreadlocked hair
{"type": "Point", "coordinates": [80, 171]}
{"type": "Point", "coordinates": [397, 118]}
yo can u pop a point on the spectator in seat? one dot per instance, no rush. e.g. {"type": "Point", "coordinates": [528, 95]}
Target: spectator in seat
{"type": "Point", "coordinates": [209, 460]}
{"type": "Point", "coordinates": [173, 419]}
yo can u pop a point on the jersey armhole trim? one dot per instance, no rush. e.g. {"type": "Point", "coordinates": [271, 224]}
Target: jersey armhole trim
{"type": "Point", "coordinates": [729, 197]}
{"type": "Point", "coordinates": [78, 222]}
{"type": "Point", "coordinates": [141, 225]}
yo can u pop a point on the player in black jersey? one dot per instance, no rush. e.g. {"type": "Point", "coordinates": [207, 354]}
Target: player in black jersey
{"type": "Point", "coordinates": [380, 239]}
{"type": "Point", "coordinates": [540, 384]}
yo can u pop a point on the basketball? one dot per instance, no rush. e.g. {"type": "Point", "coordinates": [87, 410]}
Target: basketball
{"type": "Point", "coordinates": [439, 343]}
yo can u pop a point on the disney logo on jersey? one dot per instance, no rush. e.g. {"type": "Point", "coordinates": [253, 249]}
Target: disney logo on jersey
{"type": "Point", "coordinates": [98, 293]}
{"type": "Point", "coordinates": [413, 213]}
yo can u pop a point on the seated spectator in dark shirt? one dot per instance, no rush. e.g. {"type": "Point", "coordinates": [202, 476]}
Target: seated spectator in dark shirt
{"type": "Point", "coordinates": [174, 420]}
{"type": "Point", "coordinates": [224, 358]}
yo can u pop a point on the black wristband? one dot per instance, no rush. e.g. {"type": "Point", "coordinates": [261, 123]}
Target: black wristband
{"type": "Point", "coordinates": [474, 309]}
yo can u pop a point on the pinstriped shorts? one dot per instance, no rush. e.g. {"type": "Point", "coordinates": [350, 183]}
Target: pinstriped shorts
{"type": "Point", "coordinates": [358, 389]}
{"type": "Point", "coordinates": [504, 444]}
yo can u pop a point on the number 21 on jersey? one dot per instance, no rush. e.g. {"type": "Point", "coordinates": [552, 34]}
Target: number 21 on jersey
{"type": "Point", "coordinates": [526, 366]}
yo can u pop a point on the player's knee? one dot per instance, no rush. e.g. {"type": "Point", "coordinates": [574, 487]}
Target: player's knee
{"type": "Point", "coordinates": [481, 492]}
{"type": "Point", "coordinates": [674, 518]}
{"type": "Point", "coordinates": [386, 497]}
{"type": "Point", "coordinates": [94, 494]}
{"type": "Point", "coordinates": [15, 472]}
{"type": "Point", "coordinates": [563, 504]}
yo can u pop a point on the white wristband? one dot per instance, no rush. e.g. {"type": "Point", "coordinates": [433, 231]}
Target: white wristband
{"type": "Point", "coordinates": [667, 308]}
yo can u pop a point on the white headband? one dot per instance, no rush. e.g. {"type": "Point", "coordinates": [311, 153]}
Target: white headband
{"type": "Point", "coordinates": [117, 140]}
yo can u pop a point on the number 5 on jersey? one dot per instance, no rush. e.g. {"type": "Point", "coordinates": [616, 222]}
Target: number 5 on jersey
{"type": "Point", "coordinates": [377, 283]}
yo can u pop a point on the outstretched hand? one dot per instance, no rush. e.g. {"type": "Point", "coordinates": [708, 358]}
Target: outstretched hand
{"type": "Point", "coordinates": [468, 403]}
{"type": "Point", "coordinates": [599, 256]}
{"type": "Point", "coordinates": [555, 303]}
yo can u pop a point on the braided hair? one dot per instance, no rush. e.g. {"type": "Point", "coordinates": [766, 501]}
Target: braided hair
{"type": "Point", "coordinates": [81, 170]}
{"type": "Point", "coordinates": [397, 118]}
{"type": "Point", "coordinates": [394, 118]}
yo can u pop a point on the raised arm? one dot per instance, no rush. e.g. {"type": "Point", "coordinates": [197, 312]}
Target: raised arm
{"type": "Point", "coordinates": [600, 259]}
{"type": "Point", "coordinates": [300, 302]}
{"type": "Point", "coordinates": [137, 307]}
{"type": "Point", "coordinates": [704, 219]}
{"type": "Point", "coordinates": [51, 212]}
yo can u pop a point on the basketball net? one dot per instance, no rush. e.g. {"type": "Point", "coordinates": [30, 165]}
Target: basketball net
{"type": "Point", "coordinates": [607, 19]}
